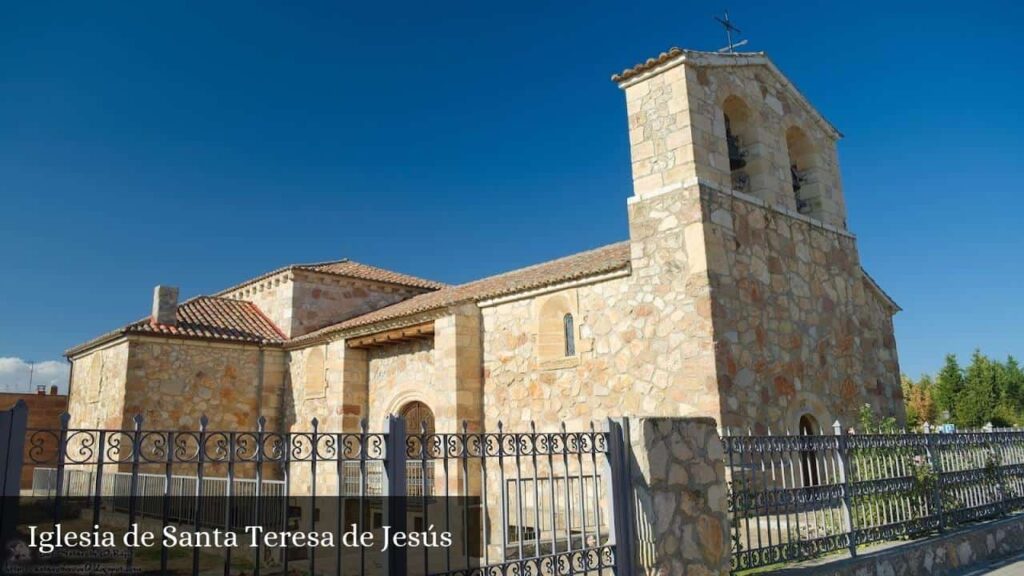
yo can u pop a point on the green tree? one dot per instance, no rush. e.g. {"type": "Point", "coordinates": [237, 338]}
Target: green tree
{"type": "Point", "coordinates": [1012, 392]}
{"type": "Point", "coordinates": [948, 386]}
{"type": "Point", "coordinates": [977, 402]}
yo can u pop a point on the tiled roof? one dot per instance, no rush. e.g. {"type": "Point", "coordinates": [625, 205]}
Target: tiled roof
{"type": "Point", "coordinates": [230, 320]}
{"type": "Point", "coordinates": [206, 318]}
{"type": "Point", "coordinates": [589, 263]}
{"type": "Point", "coordinates": [349, 269]}
{"type": "Point", "coordinates": [352, 269]}
{"type": "Point", "coordinates": [647, 65]}
{"type": "Point", "coordinates": [216, 319]}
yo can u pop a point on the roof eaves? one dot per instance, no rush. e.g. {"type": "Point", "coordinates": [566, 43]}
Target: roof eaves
{"type": "Point", "coordinates": [95, 342]}
{"type": "Point", "coordinates": [885, 295]}
{"type": "Point", "coordinates": [352, 326]}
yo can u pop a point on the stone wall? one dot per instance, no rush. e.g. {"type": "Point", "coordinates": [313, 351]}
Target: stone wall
{"type": "Point", "coordinates": [645, 339]}
{"type": "Point", "coordinates": [952, 553]}
{"type": "Point", "coordinates": [399, 374]}
{"type": "Point", "coordinates": [300, 301]}
{"type": "Point", "coordinates": [323, 299]}
{"type": "Point", "coordinates": [680, 492]}
{"type": "Point", "coordinates": [800, 330]}
{"type": "Point", "coordinates": [774, 109]}
{"type": "Point", "coordinates": [173, 383]}
{"type": "Point", "coordinates": [273, 296]}
{"type": "Point", "coordinates": [44, 412]}
{"type": "Point", "coordinates": [97, 392]}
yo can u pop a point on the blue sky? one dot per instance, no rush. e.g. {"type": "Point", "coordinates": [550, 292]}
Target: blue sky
{"type": "Point", "coordinates": [198, 144]}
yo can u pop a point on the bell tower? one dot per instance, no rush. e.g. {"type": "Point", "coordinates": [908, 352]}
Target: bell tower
{"type": "Point", "coordinates": [737, 215]}
{"type": "Point", "coordinates": [733, 122]}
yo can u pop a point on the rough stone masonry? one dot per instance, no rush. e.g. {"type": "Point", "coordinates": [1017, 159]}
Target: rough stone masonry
{"type": "Point", "coordinates": [739, 295]}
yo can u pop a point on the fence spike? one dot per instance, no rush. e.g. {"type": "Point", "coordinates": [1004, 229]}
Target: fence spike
{"type": "Point", "coordinates": [203, 421]}
{"type": "Point", "coordinates": [423, 427]}
{"type": "Point", "coordinates": [138, 421]}
{"type": "Point", "coordinates": [64, 419]}
{"type": "Point", "coordinates": [465, 426]}
{"type": "Point", "coordinates": [500, 426]}
{"type": "Point", "coordinates": [362, 425]}
{"type": "Point", "coordinates": [261, 423]}
{"type": "Point", "coordinates": [315, 422]}
{"type": "Point", "coordinates": [533, 427]}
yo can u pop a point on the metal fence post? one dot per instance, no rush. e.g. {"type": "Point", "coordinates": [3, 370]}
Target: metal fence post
{"type": "Point", "coordinates": [395, 493]}
{"type": "Point", "coordinates": [936, 464]}
{"type": "Point", "coordinates": [621, 505]}
{"type": "Point", "coordinates": [13, 425]}
{"type": "Point", "coordinates": [843, 470]}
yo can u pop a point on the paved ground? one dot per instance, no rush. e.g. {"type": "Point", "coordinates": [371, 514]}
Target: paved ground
{"type": "Point", "coordinates": [1013, 566]}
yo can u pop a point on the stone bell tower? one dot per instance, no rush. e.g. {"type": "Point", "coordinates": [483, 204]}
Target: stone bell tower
{"type": "Point", "coordinates": [738, 214]}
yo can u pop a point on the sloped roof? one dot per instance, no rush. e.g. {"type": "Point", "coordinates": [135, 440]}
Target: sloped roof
{"type": "Point", "coordinates": [878, 289]}
{"type": "Point", "coordinates": [206, 318]}
{"type": "Point", "coordinates": [349, 269]}
{"type": "Point", "coordinates": [589, 263]}
{"type": "Point", "coordinates": [352, 269]}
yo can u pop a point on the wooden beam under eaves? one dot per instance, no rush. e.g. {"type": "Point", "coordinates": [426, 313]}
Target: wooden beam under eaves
{"type": "Point", "coordinates": [417, 332]}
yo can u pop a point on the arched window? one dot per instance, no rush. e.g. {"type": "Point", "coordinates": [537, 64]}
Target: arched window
{"type": "Point", "coordinates": [556, 331]}
{"type": "Point", "coordinates": [570, 335]}
{"type": "Point", "coordinates": [802, 165]}
{"type": "Point", "coordinates": [808, 457]}
{"type": "Point", "coordinates": [745, 170]}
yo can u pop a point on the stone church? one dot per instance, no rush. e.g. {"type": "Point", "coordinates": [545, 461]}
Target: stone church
{"type": "Point", "coordinates": [739, 294]}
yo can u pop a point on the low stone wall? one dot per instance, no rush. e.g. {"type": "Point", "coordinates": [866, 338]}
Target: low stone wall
{"type": "Point", "coordinates": [680, 495]}
{"type": "Point", "coordinates": [946, 554]}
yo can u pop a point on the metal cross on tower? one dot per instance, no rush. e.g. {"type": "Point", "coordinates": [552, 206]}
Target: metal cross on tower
{"type": "Point", "coordinates": [729, 29]}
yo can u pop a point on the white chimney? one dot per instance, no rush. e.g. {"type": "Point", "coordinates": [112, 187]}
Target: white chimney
{"type": "Point", "coordinates": [165, 305]}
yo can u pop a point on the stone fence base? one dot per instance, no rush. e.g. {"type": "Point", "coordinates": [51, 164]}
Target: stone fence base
{"type": "Point", "coordinates": [945, 554]}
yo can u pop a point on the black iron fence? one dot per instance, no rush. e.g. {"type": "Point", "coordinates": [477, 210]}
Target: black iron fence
{"type": "Point", "coordinates": [799, 497]}
{"type": "Point", "coordinates": [528, 502]}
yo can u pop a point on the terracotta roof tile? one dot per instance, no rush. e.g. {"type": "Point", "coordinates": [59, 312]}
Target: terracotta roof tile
{"type": "Point", "coordinates": [352, 269]}
{"type": "Point", "coordinates": [216, 319]}
{"type": "Point", "coordinates": [207, 318]}
{"type": "Point", "coordinates": [589, 263]}
{"type": "Point", "coordinates": [230, 320]}
{"type": "Point", "coordinates": [647, 65]}
{"type": "Point", "coordinates": [346, 268]}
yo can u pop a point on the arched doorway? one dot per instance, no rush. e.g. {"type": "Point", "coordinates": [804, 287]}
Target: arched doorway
{"type": "Point", "coordinates": [418, 417]}
{"type": "Point", "coordinates": [808, 457]}
{"type": "Point", "coordinates": [419, 422]}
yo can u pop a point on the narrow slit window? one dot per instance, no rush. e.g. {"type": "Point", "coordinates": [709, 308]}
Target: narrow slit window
{"type": "Point", "coordinates": [570, 338]}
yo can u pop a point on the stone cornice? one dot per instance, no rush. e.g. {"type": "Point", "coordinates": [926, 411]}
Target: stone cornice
{"type": "Point", "coordinates": [743, 198]}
